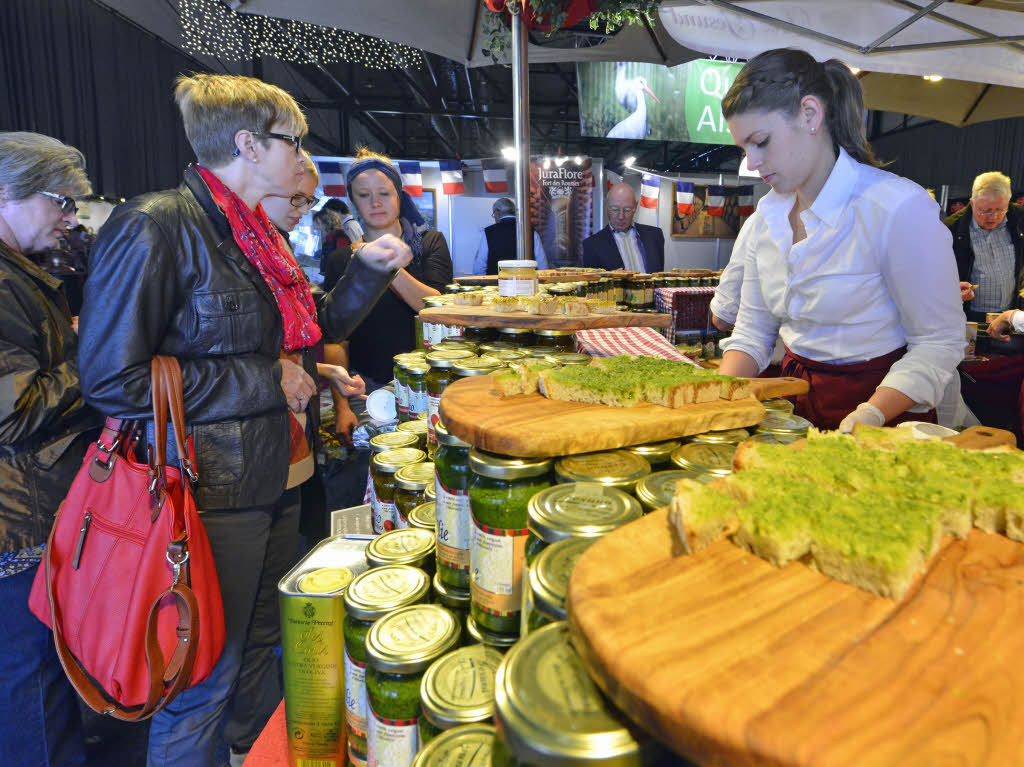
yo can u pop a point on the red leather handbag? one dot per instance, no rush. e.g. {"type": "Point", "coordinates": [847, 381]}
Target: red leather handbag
{"type": "Point", "coordinates": [128, 584]}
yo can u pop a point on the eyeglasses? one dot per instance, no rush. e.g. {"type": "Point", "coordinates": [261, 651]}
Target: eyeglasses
{"type": "Point", "coordinates": [295, 141]}
{"type": "Point", "coordinates": [620, 211]}
{"type": "Point", "coordinates": [991, 213]}
{"type": "Point", "coordinates": [301, 201]}
{"type": "Point", "coordinates": [66, 204]}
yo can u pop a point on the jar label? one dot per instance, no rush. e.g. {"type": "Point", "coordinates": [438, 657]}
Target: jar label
{"type": "Point", "coordinates": [384, 515]}
{"type": "Point", "coordinates": [451, 511]}
{"type": "Point", "coordinates": [417, 402]}
{"type": "Point", "coordinates": [428, 335]}
{"type": "Point", "coordinates": [496, 575]}
{"type": "Point", "coordinates": [400, 519]}
{"type": "Point", "coordinates": [517, 286]}
{"type": "Point", "coordinates": [433, 415]}
{"type": "Point", "coordinates": [355, 695]}
{"type": "Point", "coordinates": [370, 496]}
{"type": "Point", "coordinates": [401, 397]}
{"type": "Point", "coordinates": [391, 742]}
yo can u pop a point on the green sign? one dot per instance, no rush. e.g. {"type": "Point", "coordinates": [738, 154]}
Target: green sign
{"type": "Point", "coordinates": [707, 83]}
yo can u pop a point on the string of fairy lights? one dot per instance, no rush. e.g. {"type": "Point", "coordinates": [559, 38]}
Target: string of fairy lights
{"type": "Point", "coordinates": [210, 28]}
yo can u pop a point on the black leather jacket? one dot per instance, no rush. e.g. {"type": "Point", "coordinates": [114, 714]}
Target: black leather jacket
{"type": "Point", "coordinates": [166, 277]}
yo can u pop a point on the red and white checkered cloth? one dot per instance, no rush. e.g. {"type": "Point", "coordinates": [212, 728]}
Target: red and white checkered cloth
{"type": "Point", "coordinates": [609, 342]}
{"type": "Point", "coordinates": [689, 307]}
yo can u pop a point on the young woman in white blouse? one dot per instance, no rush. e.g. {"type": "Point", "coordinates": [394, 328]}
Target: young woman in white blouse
{"type": "Point", "coordinates": [848, 264]}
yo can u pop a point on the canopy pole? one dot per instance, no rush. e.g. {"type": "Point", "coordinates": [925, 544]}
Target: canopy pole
{"type": "Point", "coordinates": [521, 131]}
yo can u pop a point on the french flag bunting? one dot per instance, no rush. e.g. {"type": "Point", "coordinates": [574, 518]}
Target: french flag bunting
{"type": "Point", "coordinates": [332, 178]}
{"type": "Point", "coordinates": [451, 177]}
{"type": "Point", "coordinates": [649, 186]}
{"type": "Point", "coordinates": [716, 200]}
{"type": "Point", "coordinates": [412, 179]}
{"type": "Point", "coordinates": [684, 197]}
{"type": "Point", "coordinates": [745, 200]}
{"type": "Point", "coordinates": [611, 178]}
{"type": "Point", "coordinates": [495, 179]}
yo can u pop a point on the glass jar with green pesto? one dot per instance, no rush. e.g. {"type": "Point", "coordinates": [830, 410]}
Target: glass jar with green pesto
{"type": "Point", "coordinates": [785, 424]}
{"type": "Point", "coordinates": [555, 340]}
{"type": "Point", "coordinates": [478, 334]}
{"type": "Point", "coordinates": [389, 440]}
{"type": "Point", "coordinates": [401, 381]}
{"type": "Point", "coordinates": [519, 336]}
{"type": "Point", "coordinates": [372, 595]}
{"type": "Point", "coordinates": [477, 635]}
{"type": "Point", "coordinates": [456, 600]}
{"type": "Point", "coordinates": [441, 374]}
{"type": "Point", "coordinates": [457, 689]}
{"type": "Point", "coordinates": [417, 427]}
{"type": "Point", "coordinates": [382, 470]}
{"type": "Point", "coordinates": [410, 482]}
{"type": "Point", "coordinates": [615, 468]}
{"type": "Point", "coordinates": [548, 583]}
{"type": "Point", "coordinates": [705, 458]}
{"type": "Point", "coordinates": [478, 366]}
{"type": "Point", "coordinates": [416, 387]}
{"type": "Point", "coordinates": [468, 745]}
{"type": "Point", "coordinates": [557, 717]}
{"type": "Point", "coordinates": [576, 510]}
{"type": "Point", "coordinates": [430, 329]}
{"type": "Point", "coordinates": [720, 437]}
{"type": "Point", "coordinates": [656, 490]}
{"type": "Point", "coordinates": [423, 516]}
{"type": "Point", "coordinates": [500, 489]}
{"type": "Point", "coordinates": [407, 546]}
{"type": "Point", "coordinates": [399, 649]}
{"type": "Point", "coordinates": [657, 454]}
{"type": "Point", "coordinates": [569, 358]}
{"type": "Point", "coordinates": [451, 470]}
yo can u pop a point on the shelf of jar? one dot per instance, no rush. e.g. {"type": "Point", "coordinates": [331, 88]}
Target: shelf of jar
{"type": "Point", "coordinates": [486, 317]}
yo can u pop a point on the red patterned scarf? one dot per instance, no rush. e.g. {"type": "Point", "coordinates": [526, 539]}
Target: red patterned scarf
{"type": "Point", "coordinates": [261, 242]}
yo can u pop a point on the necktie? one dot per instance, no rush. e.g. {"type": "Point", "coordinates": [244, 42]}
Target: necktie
{"type": "Point", "coordinates": [630, 255]}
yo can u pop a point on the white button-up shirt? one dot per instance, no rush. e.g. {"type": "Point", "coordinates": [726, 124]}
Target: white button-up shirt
{"type": "Point", "coordinates": [874, 273]}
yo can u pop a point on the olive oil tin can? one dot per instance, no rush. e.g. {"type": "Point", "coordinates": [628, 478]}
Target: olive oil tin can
{"type": "Point", "coordinates": [311, 598]}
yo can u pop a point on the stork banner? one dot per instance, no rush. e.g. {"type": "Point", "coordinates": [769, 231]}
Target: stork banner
{"type": "Point", "coordinates": [632, 100]}
{"type": "Point", "coordinates": [561, 207]}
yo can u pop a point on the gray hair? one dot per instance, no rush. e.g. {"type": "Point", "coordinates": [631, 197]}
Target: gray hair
{"type": "Point", "coordinates": [504, 206]}
{"type": "Point", "coordinates": [991, 184]}
{"type": "Point", "coordinates": [32, 162]}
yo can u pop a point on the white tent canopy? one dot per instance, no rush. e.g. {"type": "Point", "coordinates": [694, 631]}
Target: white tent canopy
{"type": "Point", "coordinates": [954, 40]}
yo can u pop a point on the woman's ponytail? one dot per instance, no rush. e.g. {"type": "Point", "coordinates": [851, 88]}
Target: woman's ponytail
{"type": "Point", "coordinates": [845, 113]}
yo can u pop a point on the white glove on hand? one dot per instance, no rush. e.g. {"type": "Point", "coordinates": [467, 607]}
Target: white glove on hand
{"type": "Point", "coordinates": [865, 413]}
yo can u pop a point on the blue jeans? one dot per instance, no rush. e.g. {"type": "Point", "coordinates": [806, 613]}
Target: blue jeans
{"type": "Point", "coordinates": [40, 723]}
{"type": "Point", "coordinates": [253, 549]}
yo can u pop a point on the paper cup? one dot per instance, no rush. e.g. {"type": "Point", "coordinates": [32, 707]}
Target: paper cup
{"type": "Point", "coordinates": [381, 405]}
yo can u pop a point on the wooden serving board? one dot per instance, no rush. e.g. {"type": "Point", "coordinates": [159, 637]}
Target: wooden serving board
{"type": "Point", "coordinates": [533, 426]}
{"type": "Point", "coordinates": [485, 317]}
{"type": "Point", "coordinates": [732, 661]}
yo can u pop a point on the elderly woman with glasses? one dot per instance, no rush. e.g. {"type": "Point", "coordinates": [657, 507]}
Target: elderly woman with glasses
{"type": "Point", "coordinates": [45, 428]}
{"type": "Point", "coordinates": [202, 274]}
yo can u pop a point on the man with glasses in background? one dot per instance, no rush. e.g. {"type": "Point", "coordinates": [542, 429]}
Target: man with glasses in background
{"type": "Point", "coordinates": [988, 243]}
{"type": "Point", "coordinates": [623, 244]}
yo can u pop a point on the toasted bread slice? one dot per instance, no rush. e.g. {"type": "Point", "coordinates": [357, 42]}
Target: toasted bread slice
{"type": "Point", "coordinates": [701, 514]}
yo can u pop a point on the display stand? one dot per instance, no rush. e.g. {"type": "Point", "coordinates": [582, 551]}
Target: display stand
{"type": "Point", "coordinates": [486, 317]}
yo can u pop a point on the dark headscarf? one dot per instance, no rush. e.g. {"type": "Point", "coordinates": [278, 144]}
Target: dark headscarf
{"type": "Point", "coordinates": [412, 221]}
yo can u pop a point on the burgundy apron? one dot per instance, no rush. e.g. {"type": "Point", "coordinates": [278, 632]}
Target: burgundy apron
{"type": "Point", "coordinates": [836, 390]}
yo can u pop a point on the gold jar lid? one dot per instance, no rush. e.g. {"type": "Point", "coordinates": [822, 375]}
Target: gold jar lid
{"type": "Point", "coordinates": [326, 580]}
{"type": "Point", "coordinates": [496, 346]}
{"type": "Point", "coordinates": [404, 546]}
{"type": "Point", "coordinates": [383, 589]}
{"type": "Point", "coordinates": [553, 333]}
{"type": "Point", "coordinates": [423, 516]}
{"type": "Point", "coordinates": [401, 357]}
{"type": "Point", "coordinates": [655, 452]}
{"type": "Point", "coordinates": [618, 468]}
{"type": "Point", "coordinates": [500, 642]}
{"type": "Point", "coordinates": [773, 438]}
{"type": "Point", "coordinates": [390, 461]}
{"type": "Point", "coordinates": [539, 352]}
{"type": "Point", "coordinates": [656, 490]}
{"type": "Point", "coordinates": [704, 458]}
{"type": "Point", "coordinates": [451, 596]}
{"type": "Point", "coordinates": [504, 355]}
{"type": "Point", "coordinates": [455, 343]}
{"type": "Point", "coordinates": [415, 476]}
{"type": "Point", "coordinates": [430, 493]}
{"type": "Point", "coordinates": [579, 509]}
{"type": "Point", "coordinates": [423, 416]}
{"type": "Point", "coordinates": [778, 404]}
{"type": "Point", "coordinates": [723, 437]}
{"type": "Point", "coordinates": [459, 687]}
{"type": "Point", "coordinates": [417, 427]}
{"type": "Point", "coordinates": [415, 367]}
{"type": "Point", "coordinates": [515, 332]}
{"type": "Point", "coordinates": [445, 437]}
{"type": "Point", "coordinates": [390, 440]}
{"type": "Point", "coordinates": [446, 358]}
{"type": "Point", "coordinates": [468, 745]}
{"type": "Point", "coordinates": [411, 638]}
{"type": "Point", "coordinates": [434, 301]}
{"type": "Point", "coordinates": [550, 710]}
{"type": "Point", "coordinates": [506, 467]}
{"type": "Point", "coordinates": [783, 423]}
{"type": "Point", "coordinates": [478, 366]}
{"type": "Point", "coordinates": [550, 573]}
{"type": "Point", "coordinates": [569, 358]}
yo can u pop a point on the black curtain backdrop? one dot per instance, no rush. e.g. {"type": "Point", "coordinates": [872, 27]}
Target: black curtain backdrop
{"type": "Point", "coordinates": [73, 70]}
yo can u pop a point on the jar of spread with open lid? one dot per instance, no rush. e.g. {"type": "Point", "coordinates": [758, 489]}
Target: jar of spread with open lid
{"type": "Point", "coordinates": [517, 278]}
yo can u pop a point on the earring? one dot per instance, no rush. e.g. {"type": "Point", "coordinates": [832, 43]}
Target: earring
{"type": "Point", "coordinates": [236, 152]}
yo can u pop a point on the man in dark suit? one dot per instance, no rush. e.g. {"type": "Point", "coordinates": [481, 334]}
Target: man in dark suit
{"type": "Point", "coordinates": [623, 244]}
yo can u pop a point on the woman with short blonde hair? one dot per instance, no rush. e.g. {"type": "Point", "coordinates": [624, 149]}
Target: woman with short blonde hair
{"type": "Point", "coordinates": [200, 273]}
